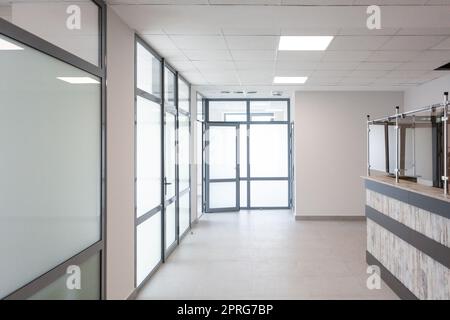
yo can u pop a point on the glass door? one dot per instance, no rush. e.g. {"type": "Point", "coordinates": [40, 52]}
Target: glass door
{"type": "Point", "coordinates": [170, 196]}
{"type": "Point", "coordinates": [222, 167]}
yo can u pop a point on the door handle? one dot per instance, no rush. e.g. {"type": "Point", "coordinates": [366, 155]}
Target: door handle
{"type": "Point", "coordinates": [166, 184]}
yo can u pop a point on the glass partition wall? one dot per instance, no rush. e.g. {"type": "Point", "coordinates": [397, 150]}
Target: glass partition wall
{"type": "Point", "coordinates": [52, 130]}
{"type": "Point", "coordinates": [411, 146]}
{"type": "Point", "coordinates": [247, 155]}
{"type": "Point", "coordinates": [162, 160]}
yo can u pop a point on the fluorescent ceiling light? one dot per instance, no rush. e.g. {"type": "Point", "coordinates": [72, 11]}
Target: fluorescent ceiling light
{"type": "Point", "coordinates": [6, 45]}
{"type": "Point", "coordinates": [304, 43]}
{"type": "Point", "coordinates": [290, 80]}
{"type": "Point", "coordinates": [78, 80]}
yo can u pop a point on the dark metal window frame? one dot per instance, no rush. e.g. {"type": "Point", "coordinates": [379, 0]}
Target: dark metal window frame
{"type": "Point", "coordinates": [249, 178]}
{"type": "Point", "coordinates": [165, 107]}
{"type": "Point", "coordinates": [29, 39]}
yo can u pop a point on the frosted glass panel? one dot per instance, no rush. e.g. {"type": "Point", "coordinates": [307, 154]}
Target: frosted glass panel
{"type": "Point", "coordinates": [222, 195]}
{"type": "Point", "coordinates": [170, 224]}
{"type": "Point", "coordinates": [184, 145]}
{"type": "Point", "coordinates": [50, 164]}
{"type": "Point", "coordinates": [184, 212]}
{"type": "Point", "coordinates": [200, 107]}
{"type": "Point", "coordinates": [243, 194]}
{"type": "Point", "coordinates": [199, 149]}
{"type": "Point", "coordinates": [269, 193]}
{"type": "Point", "coordinates": [148, 156]}
{"type": "Point", "coordinates": [269, 150]}
{"type": "Point", "coordinates": [268, 111]}
{"type": "Point", "coordinates": [423, 148]}
{"type": "Point", "coordinates": [148, 246]}
{"type": "Point", "coordinates": [170, 156]}
{"type": "Point", "coordinates": [377, 148]}
{"type": "Point", "coordinates": [243, 150]}
{"type": "Point", "coordinates": [90, 284]}
{"type": "Point", "coordinates": [169, 86]}
{"type": "Point", "coordinates": [228, 111]}
{"type": "Point", "coordinates": [222, 152]}
{"type": "Point", "coordinates": [81, 39]}
{"type": "Point", "coordinates": [183, 96]}
{"type": "Point", "coordinates": [148, 71]}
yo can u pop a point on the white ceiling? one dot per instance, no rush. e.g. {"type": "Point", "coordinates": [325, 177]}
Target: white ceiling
{"type": "Point", "coordinates": [219, 45]}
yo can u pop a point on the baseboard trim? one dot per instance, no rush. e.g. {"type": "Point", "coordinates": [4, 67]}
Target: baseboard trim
{"type": "Point", "coordinates": [330, 218]}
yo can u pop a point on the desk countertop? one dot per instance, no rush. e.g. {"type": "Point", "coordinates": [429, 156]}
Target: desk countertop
{"type": "Point", "coordinates": [412, 187]}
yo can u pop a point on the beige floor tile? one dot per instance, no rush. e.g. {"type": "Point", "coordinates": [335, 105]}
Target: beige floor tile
{"type": "Point", "coordinates": [266, 255]}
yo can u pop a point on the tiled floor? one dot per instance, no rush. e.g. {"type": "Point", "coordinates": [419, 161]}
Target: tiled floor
{"type": "Point", "coordinates": [266, 255]}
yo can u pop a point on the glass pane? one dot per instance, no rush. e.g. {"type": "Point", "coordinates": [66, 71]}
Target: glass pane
{"type": "Point", "coordinates": [183, 96]}
{"type": "Point", "coordinates": [170, 224]}
{"type": "Point", "coordinates": [184, 151]}
{"type": "Point", "coordinates": [222, 195]}
{"type": "Point", "coordinates": [377, 148]}
{"type": "Point", "coordinates": [148, 246]}
{"type": "Point", "coordinates": [200, 111]}
{"type": "Point", "coordinates": [392, 148]}
{"type": "Point", "coordinates": [423, 146]}
{"type": "Point", "coordinates": [448, 150]}
{"type": "Point", "coordinates": [199, 165]}
{"type": "Point", "coordinates": [243, 194]}
{"type": "Point", "coordinates": [222, 152]}
{"type": "Point", "coordinates": [184, 212]}
{"type": "Point", "coordinates": [233, 111]}
{"type": "Point", "coordinates": [268, 111]}
{"type": "Point", "coordinates": [170, 160]}
{"type": "Point", "coordinates": [148, 156]}
{"type": "Point", "coordinates": [269, 193]}
{"type": "Point", "coordinates": [148, 71]}
{"type": "Point", "coordinates": [243, 150]}
{"type": "Point", "coordinates": [269, 150]}
{"type": "Point", "coordinates": [50, 167]}
{"type": "Point", "coordinates": [72, 26]}
{"type": "Point", "coordinates": [90, 284]}
{"type": "Point", "coordinates": [407, 151]}
{"type": "Point", "coordinates": [169, 86]}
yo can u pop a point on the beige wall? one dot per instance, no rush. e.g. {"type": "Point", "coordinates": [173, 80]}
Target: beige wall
{"type": "Point", "coordinates": [330, 147]}
{"type": "Point", "coordinates": [120, 159]}
{"type": "Point", "coordinates": [427, 94]}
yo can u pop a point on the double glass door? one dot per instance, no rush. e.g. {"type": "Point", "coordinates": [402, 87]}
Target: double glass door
{"type": "Point", "coordinates": [222, 167]}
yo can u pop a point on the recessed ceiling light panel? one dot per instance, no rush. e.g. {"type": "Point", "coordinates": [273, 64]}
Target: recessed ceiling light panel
{"type": "Point", "coordinates": [6, 45]}
{"type": "Point", "coordinates": [304, 43]}
{"type": "Point", "coordinates": [78, 80]}
{"type": "Point", "coordinates": [290, 80]}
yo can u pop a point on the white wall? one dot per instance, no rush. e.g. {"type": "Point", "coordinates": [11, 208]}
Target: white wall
{"type": "Point", "coordinates": [330, 147]}
{"type": "Point", "coordinates": [120, 163]}
{"type": "Point", "coordinates": [427, 94]}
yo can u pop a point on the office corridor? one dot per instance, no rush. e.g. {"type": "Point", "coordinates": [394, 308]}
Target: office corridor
{"type": "Point", "coordinates": [266, 255]}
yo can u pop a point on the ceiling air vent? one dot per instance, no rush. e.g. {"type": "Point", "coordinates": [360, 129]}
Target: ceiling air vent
{"type": "Point", "coordinates": [252, 92]}
{"type": "Point", "coordinates": [239, 92]}
{"type": "Point", "coordinates": [225, 92]}
{"type": "Point", "coordinates": [444, 67]}
{"type": "Point", "coordinates": [277, 93]}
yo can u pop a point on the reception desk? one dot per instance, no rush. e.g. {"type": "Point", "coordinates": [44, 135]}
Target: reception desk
{"type": "Point", "coordinates": [408, 237]}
